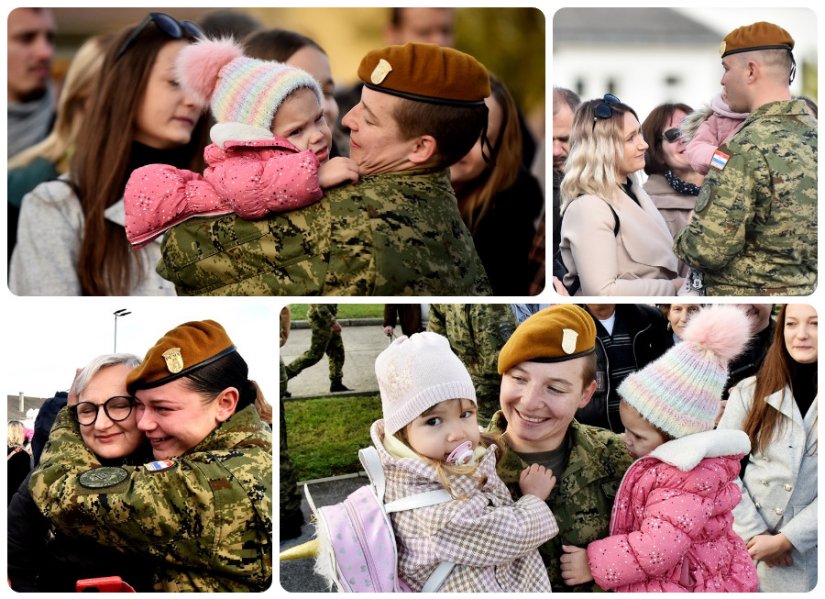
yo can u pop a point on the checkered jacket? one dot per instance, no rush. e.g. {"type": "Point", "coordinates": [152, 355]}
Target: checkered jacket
{"type": "Point", "coordinates": [492, 540]}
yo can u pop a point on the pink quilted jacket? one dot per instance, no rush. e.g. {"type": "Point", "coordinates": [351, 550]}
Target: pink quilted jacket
{"type": "Point", "coordinates": [250, 178]}
{"type": "Point", "coordinates": [672, 522]}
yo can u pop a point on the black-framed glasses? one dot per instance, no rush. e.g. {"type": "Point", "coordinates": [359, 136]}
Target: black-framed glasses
{"type": "Point", "coordinates": [672, 135]}
{"type": "Point", "coordinates": [604, 110]}
{"type": "Point", "coordinates": [168, 25]}
{"type": "Point", "coordinates": [117, 408]}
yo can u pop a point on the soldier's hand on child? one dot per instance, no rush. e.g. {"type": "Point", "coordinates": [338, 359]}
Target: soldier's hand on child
{"type": "Point", "coordinates": [575, 569]}
{"type": "Point", "coordinates": [336, 171]}
{"type": "Point", "coordinates": [537, 480]}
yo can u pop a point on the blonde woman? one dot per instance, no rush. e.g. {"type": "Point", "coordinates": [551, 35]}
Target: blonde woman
{"type": "Point", "coordinates": [613, 239]}
{"type": "Point", "coordinates": [19, 460]}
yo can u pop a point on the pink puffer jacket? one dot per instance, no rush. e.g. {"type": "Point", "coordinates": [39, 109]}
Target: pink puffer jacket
{"type": "Point", "coordinates": [672, 522]}
{"type": "Point", "coordinates": [250, 178]}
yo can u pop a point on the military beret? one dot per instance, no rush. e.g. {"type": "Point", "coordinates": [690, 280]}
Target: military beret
{"type": "Point", "coordinates": [758, 36]}
{"type": "Point", "coordinates": [183, 350]}
{"type": "Point", "coordinates": [555, 334]}
{"type": "Point", "coordinates": [426, 73]}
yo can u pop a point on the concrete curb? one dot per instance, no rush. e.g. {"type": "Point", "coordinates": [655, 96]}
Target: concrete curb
{"type": "Point", "coordinates": [328, 395]}
{"type": "Point", "coordinates": [346, 322]}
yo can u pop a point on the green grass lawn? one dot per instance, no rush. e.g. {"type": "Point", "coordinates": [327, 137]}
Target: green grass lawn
{"type": "Point", "coordinates": [299, 311]}
{"type": "Point", "coordinates": [325, 434]}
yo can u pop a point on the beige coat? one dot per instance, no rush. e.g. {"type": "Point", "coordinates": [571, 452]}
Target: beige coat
{"type": "Point", "coordinates": [676, 208]}
{"type": "Point", "coordinates": [638, 260]}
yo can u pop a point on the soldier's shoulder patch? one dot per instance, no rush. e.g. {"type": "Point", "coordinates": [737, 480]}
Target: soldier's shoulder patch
{"type": "Point", "coordinates": [101, 478]}
{"type": "Point", "coordinates": [159, 465]}
{"type": "Point", "coordinates": [719, 159]}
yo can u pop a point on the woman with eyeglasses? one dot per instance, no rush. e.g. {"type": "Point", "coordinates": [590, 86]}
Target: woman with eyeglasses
{"type": "Point", "coordinates": [672, 183]}
{"type": "Point", "coordinates": [499, 200]}
{"type": "Point", "coordinates": [41, 558]}
{"type": "Point", "coordinates": [613, 239]}
{"type": "Point", "coordinates": [71, 239]}
{"type": "Point", "coordinates": [778, 409]}
{"type": "Point", "coordinates": [203, 509]}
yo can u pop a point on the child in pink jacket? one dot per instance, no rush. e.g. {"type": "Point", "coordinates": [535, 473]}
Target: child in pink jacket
{"type": "Point", "coordinates": [671, 529]}
{"type": "Point", "coordinates": [707, 129]}
{"type": "Point", "coordinates": [428, 440]}
{"type": "Point", "coordinates": [269, 152]}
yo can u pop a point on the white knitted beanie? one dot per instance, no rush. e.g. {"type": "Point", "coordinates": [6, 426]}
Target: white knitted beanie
{"type": "Point", "coordinates": [415, 373]}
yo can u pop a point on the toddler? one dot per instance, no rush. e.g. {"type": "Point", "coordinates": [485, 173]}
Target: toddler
{"type": "Point", "coordinates": [707, 129]}
{"type": "Point", "coordinates": [269, 151]}
{"type": "Point", "coordinates": [672, 523]}
{"type": "Point", "coordinates": [429, 439]}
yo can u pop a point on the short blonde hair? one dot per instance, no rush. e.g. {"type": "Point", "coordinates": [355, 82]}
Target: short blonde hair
{"type": "Point", "coordinates": [596, 145]}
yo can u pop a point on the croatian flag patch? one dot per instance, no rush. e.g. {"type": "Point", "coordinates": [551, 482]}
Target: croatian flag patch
{"type": "Point", "coordinates": [719, 160]}
{"type": "Point", "coordinates": [159, 465]}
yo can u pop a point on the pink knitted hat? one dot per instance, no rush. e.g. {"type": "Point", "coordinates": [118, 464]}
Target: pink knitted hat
{"type": "Point", "coordinates": [239, 89]}
{"type": "Point", "coordinates": [415, 373]}
{"type": "Point", "coordinates": [680, 393]}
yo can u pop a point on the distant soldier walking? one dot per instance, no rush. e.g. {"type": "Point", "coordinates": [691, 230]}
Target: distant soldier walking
{"type": "Point", "coordinates": [755, 227]}
{"type": "Point", "coordinates": [326, 339]}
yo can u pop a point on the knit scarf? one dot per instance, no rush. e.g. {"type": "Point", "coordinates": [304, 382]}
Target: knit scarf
{"type": "Point", "coordinates": [681, 186]}
{"type": "Point", "coordinates": [29, 123]}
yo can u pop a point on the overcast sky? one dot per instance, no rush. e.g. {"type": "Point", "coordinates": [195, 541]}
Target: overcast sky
{"type": "Point", "coordinates": [46, 339]}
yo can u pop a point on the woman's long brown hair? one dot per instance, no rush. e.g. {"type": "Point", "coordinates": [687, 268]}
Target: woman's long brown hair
{"type": "Point", "coordinates": [106, 264]}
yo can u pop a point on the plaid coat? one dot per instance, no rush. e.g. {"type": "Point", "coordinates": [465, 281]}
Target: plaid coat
{"type": "Point", "coordinates": [491, 540]}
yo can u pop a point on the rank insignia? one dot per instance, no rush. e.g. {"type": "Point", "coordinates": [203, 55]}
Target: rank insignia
{"type": "Point", "coordinates": [101, 478]}
{"type": "Point", "coordinates": [174, 360]}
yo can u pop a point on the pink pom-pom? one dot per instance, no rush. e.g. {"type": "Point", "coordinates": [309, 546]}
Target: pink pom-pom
{"type": "Point", "coordinates": [199, 64]}
{"type": "Point", "coordinates": [722, 330]}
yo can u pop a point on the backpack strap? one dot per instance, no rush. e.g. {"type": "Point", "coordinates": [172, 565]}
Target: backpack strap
{"type": "Point", "coordinates": [411, 502]}
{"type": "Point", "coordinates": [438, 577]}
{"type": "Point", "coordinates": [371, 462]}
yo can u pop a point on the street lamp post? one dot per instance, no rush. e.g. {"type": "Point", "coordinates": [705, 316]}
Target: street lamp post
{"type": "Point", "coordinates": [118, 313]}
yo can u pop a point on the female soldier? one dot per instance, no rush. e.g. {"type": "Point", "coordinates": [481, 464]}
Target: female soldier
{"type": "Point", "coordinates": [205, 506]}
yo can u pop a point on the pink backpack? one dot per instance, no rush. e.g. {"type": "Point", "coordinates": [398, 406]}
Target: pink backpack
{"type": "Point", "coordinates": [357, 552]}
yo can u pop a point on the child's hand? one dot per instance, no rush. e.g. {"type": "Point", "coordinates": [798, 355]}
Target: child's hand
{"type": "Point", "coordinates": [336, 171]}
{"type": "Point", "coordinates": [537, 480]}
{"type": "Point", "coordinates": [575, 569]}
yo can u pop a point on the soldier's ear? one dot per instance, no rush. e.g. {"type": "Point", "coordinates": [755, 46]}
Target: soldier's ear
{"type": "Point", "coordinates": [225, 404]}
{"type": "Point", "coordinates": [423, 149]}
{"type": "Point", "coordinates": [587, 394]}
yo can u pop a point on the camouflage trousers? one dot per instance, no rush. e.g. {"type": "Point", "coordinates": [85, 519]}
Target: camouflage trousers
{"type": "Point", "coordinates": [290, 497]}
{"type": "Point", "coordinates": [324, 341]}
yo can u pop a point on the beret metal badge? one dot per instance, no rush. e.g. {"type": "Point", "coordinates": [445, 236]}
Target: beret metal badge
{"type": "Point", "coordinates": [174, 360]}
{"type": "Point", "coordinates": [101, 478]}
{"type": "Point", "coordinates": [568, 340]}
{"type": "Point", "coordinates": [380, 72]}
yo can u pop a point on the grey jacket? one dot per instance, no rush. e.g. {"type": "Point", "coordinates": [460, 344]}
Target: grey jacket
{"type": "Point", "coordinates": [780, 487]}
{"type": "Point", "coordinates": [44, 262]}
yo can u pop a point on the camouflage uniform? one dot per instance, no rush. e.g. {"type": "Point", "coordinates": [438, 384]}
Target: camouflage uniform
{"type": "Point", "coordinates": [389, 234]}
{"type": "Point", "coordinates": [476, 333]}
{"type": "Point", "coordinates": [207, 517]}
{"type": "Point", "coordinates": [582, 500]}
{"type": "Point", "coordinates": [291, 517]}
{"type": "Point", "coordinates": [754, 231]}
{"type": "Point", "coordinates": [324, 341]}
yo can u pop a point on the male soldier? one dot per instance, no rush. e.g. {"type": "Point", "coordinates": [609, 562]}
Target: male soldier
{"type": "Point", "coordinates": [397, 231]}
{"type": "Point", "coordinates": [31, 33]}
{"type": "Point", "coordinates": [326, 339]}
{"type": "Point", "coordinates": [476, 333]}
{"type": "Point", "coordinates": [755, 227]}
{"type": "Point", "coordinates": [548, 368]}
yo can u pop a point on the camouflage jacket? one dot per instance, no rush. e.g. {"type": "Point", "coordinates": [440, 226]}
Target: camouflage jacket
{"type": "Point", "coordinates": [206, 516]}
{"type": "Point", "coordinates": [322, 316]}
{"type": "Point", "coordinates": [389, 234]}
{"type": "Point", "coordinates": [582, 500]}
{"type": "Point", "coordinates": [755, 227]}
{"type": "Point", "coordinates": [476, 333]}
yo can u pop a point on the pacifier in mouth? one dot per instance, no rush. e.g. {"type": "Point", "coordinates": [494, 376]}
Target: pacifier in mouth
{"type": "Point", "coordinates": [461, 454]}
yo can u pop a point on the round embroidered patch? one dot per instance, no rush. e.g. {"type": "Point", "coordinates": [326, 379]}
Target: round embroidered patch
{"type": "Point", "coordinates": [100, 478]}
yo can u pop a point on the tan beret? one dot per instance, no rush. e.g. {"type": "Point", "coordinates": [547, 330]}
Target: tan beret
{"type": "Point", "coordinates": [555, 334]}
{"type": "Point", "coordinates": [758, 36]}
{"type": "Point", "coordinates": [179, 352]}
{"type": "Point", "coordinates": [426, 73]}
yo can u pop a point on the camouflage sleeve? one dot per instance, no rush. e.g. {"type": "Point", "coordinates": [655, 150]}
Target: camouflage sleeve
{"type": "Point", "coordinates": [480, 535]}
{"type": "Point", "coordinates": [322, 315]}
{"type": "Point", "coordinates": [725, 209]}
{"type": "Point", "coordinates": [492, 325]}
{"type": "Point", "coordinates": [435, 320]}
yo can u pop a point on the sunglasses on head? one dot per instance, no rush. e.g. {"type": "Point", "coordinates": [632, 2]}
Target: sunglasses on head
{"type": "Point", "coordinates": [168, 25]}
{"type": "Point", "coordinates": [672, 135]}
{"type": "Point", "coordinates": [604, 110]}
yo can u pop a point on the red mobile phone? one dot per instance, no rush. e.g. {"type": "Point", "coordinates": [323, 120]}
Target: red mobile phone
{"type": "Point", "coordinates": [107, 584]}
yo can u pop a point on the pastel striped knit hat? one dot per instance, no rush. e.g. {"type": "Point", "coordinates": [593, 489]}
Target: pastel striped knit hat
{"type": "Point", "coordinates": [680, 393]}
{"type": "Point", "coordinates": [415, 373]}
{"type": "Point", "coordinates": [239, 89]}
